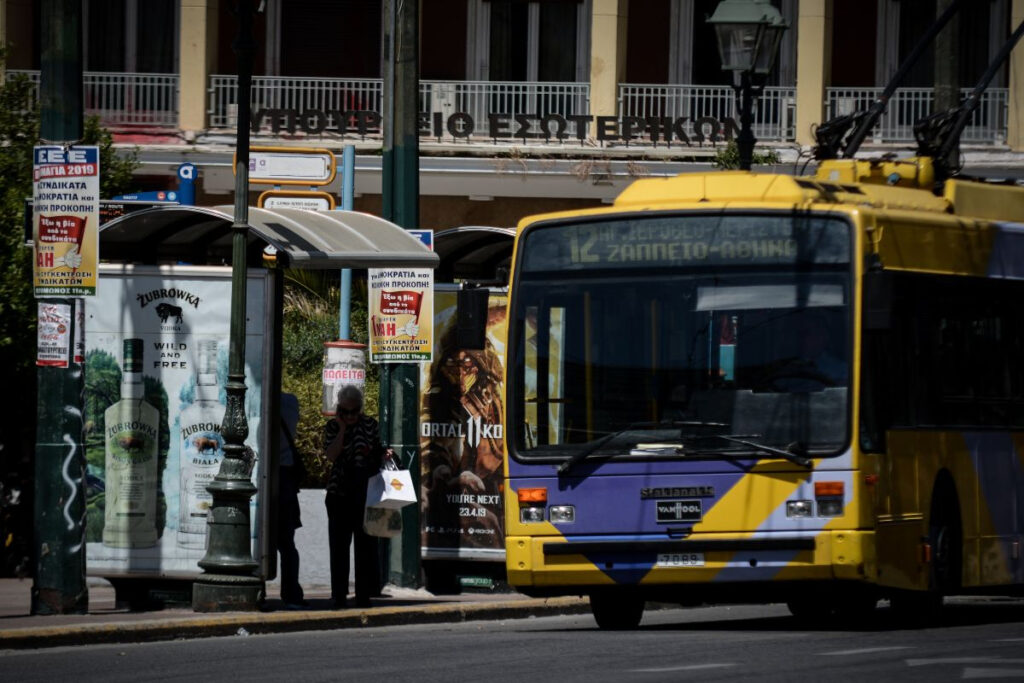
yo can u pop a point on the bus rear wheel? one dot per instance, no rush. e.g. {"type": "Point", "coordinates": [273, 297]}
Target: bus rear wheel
{"type": "Point", "coordinates": [945, 540]}
{"type": "Point", "coordinates": [617, 611]}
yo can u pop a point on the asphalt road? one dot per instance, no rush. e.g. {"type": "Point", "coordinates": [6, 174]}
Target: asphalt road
{"type": "Point", "coordinates": [973, 639]}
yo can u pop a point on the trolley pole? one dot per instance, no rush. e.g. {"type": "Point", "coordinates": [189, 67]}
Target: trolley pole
{"type": "Point", "coordinates": [59, 586]}
{"type": "Point", "coordinates": [399, 399]}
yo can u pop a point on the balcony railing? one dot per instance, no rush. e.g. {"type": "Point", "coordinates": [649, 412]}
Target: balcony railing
{"type": "Point", "coordinates": [133, 99]}
{"type": "Point", "coordinates": [988, 124]}
{"type": "Point", "coordinates": [305, 95]}
{"type": "Point", "coordinates": [126, 99]}
{"type": "Point", "coordinates": [322, 101]}
{"type": "Point", "coordinates": [703, 105]}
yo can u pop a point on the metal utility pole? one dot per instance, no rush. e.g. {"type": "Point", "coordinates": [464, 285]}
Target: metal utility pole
{"type": "Point", "coordinates": [947, 61]}
{"type": "Point", "coordinates": [59, 586]}
{"type": "Point", "coordinates": [399, 396]}
{"type": "Point", "coordinates": [228, 581]}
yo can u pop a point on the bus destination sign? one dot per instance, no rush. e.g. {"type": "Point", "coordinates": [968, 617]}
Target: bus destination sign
{"type": "Point", "coordinates": [691, 241]}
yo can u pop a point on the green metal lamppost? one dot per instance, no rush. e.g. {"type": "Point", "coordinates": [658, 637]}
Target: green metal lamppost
{"type": "Point", "coordinates": [748, 33]}
{"type": "Point", "coordinates": [228, 581]}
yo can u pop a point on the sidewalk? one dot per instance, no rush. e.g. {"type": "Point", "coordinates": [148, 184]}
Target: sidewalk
{"type": "Point", "coordinates": [106, 623]}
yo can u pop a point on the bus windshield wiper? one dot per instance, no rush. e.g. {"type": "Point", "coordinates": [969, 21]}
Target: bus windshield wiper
{"type": "Point", "coordinates": [586, 451]}
{"type": "Point", "coordinates": [792, 454]}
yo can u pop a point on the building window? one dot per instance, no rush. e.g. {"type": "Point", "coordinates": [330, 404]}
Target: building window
{"type": "Point", "coordinates": [902, 23]}
{"type": "Point", "coordinates": [133, 36]}
{"type": "Point", "coordinates": [514, 40]}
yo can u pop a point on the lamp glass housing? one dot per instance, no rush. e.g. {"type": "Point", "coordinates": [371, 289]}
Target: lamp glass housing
{"type": "Point", "coordinates": [738, 45]}
{"type": "Point", "coordinates": [768, 48]}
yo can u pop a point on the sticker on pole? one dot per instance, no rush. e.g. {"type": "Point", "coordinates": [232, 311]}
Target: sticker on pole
{"type": "Point", "coordinates": [401, 315]}
{"type": "Point", "coordinates": [65, 220]}
{"type": "Point", "coordinates": [53, 335]}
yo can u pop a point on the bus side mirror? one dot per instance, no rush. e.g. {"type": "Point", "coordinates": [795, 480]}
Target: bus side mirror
{"type": "Point", "coordinates": [471, 318]}
{"type": "Point", "coordinates": [878, 286]}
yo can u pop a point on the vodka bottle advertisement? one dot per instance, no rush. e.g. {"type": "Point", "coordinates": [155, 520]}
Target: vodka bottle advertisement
{"type": "Point", "coordinates": [130, 428]}
{"type": "Point", "coordinates": [201, 448]}
{"type": "Point", "coordinates": [156, 347]}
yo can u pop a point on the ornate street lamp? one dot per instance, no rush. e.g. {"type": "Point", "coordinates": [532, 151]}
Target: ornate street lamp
{"type": "Point", "coordinates": [748, 33]}
{"type": "Point", "coordinates": [228, 581]}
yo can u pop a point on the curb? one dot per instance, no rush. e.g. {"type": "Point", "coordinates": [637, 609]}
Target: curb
{"type": "Point", "coordinates": [255, 623]}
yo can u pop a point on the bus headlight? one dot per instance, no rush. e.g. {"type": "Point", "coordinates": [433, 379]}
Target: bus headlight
{"type": "Point", "coordinates": [562, 514]}
{"type": "Point", "coordinates": [830, 507]}
{"type": "Point", "coordinates": [531, 514]}
{"type": "Point", "coordinates": [829, 495]}
{"type": "Point", "coordinates": [531, 504]}
{"type": "Point", "coordinates": [799, 508]}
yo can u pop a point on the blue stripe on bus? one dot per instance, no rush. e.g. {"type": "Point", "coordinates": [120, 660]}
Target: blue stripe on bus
{"type": "Point", "coordinates": [1001, 479]}
{"type": "Point", "coordinates": [1007, 256]}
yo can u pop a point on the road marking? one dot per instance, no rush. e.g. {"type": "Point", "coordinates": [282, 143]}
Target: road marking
{"type": "Point", "coordinates": [992, 673]}
{"type": "Point", "coordinates": [1008, 640]}
{"type": "Point", "coordinates": [865, 650]}
{"type": "Point", "coordinates": [963, 660]}
{"type": "Point", "coordinates": [688, 667]}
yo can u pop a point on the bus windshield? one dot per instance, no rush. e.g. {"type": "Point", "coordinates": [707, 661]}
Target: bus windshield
{"type": "Point", "coordinates": [658, 335]}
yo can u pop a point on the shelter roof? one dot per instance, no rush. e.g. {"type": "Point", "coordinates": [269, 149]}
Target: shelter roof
{"type": "Point", "coordinates": [302, 238]}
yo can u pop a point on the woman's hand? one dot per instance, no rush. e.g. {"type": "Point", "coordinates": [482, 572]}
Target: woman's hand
{"type": "Point", "coordinates": [335, 447]}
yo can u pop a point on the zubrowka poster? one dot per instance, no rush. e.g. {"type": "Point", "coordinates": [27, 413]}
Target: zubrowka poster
{"type": "Point", "coordinates": [157, 344]}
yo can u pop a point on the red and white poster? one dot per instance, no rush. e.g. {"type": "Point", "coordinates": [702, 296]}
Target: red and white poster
{"type": "Point", "coordinates": [65, 220]}
{"type": "Point", "coordinates": [53, 333]}
{"type": "Point", "coordinates": [401, 314]}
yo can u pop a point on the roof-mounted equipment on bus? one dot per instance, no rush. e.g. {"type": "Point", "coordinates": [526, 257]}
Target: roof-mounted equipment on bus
{"type": "Point", "coordinates": [938, 135]}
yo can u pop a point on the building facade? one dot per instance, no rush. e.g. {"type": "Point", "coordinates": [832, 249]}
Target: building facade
{"type": "Point", "coordinates": [526, 105]}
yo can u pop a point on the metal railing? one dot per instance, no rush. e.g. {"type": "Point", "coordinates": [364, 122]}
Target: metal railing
{"type": "Point", "coordinates": [321, 102]}
{"type": "Point", "coordinates": [329, 96]}
{"type": "Point", "coordinates": [535, 100]}
{"type": "Point", "coordinates": [125, 99]}
{"type": "Point", "coordinates": [152, 100]}
{"type": "Point", "coordinates": [988, 125]}
{"type": "Point", "coordinates": [774, 115]}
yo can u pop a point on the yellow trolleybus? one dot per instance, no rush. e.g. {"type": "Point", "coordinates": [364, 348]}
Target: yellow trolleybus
{"type": "Point", "coordinates": [753, 387]}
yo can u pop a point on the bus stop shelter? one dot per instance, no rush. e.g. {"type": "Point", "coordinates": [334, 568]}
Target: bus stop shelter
{"type": "Point", "coordinates": [164, 286]}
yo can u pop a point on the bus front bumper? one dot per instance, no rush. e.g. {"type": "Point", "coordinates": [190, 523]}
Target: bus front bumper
{"type": "Point", "coordinates": [553, 561]}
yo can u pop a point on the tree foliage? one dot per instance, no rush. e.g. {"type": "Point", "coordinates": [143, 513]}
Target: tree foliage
{"type": "Point", "coordinates": [728, 157]}
{"type": "Point", "coordinates": [311, 304]}
{"type": "Point", "coordinates": [19, 133]}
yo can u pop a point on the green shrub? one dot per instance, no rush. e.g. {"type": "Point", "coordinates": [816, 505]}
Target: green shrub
{"type": "Point", "coordinates": [728, 157]}
{"type": "Point", "coordinates": [310, 318]}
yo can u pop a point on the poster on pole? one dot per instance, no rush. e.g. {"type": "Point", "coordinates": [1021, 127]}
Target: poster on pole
{"type": "Point", "coordinates": [53, 334]}
{"type": "Point", "coordinates": [65, 220]}
{"type": "Point", "coordinates": [402, 312]}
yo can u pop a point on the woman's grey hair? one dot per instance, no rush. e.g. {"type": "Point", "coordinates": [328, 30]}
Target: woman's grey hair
{"type": "Point", "coordinates": [352, 395]}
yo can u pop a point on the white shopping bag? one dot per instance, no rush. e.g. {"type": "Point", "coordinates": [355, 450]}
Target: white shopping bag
{"type": "Point", "coordinates": [383, 522]}
{"type": "Point", "coordinates": [390, 488]}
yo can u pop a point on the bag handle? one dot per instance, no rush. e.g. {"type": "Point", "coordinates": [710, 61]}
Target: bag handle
{"type": "Point", "coordinates": [388, 460]}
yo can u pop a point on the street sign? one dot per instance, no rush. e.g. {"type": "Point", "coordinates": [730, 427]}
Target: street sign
{"type": "Point", "coordinates": [296, 199]}
{"type": "Point", "coordinates": [290, 166]}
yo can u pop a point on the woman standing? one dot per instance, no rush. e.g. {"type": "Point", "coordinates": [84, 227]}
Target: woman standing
{"type": "Point", "coordinates": [352, 446]}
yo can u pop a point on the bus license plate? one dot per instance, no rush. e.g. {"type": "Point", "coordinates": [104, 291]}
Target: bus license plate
{"type": "Point", "coordinates": [680, 560]}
